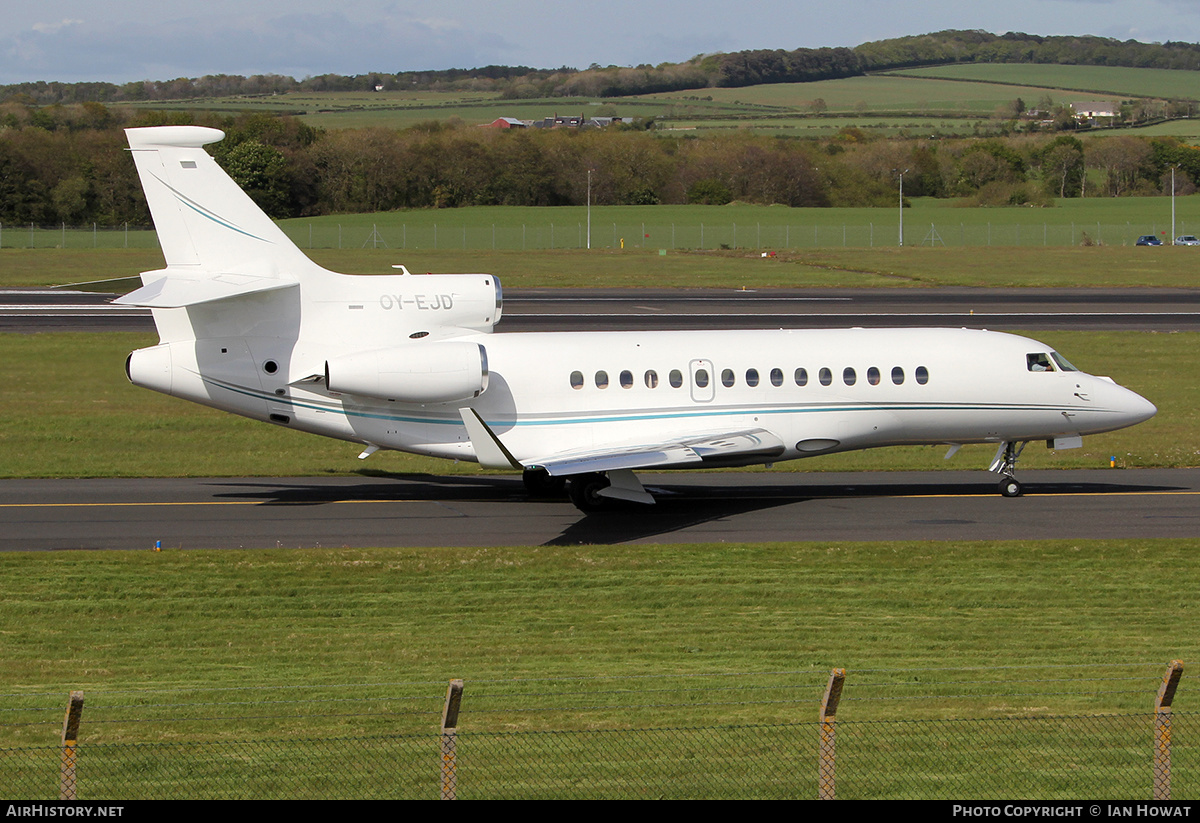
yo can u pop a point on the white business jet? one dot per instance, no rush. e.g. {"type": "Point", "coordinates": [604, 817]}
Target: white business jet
{"type": "Point", "coordinates": [250, 325]}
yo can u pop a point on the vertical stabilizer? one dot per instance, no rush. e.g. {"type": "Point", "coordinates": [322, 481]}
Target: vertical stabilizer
{"type": "Point", "coordinates": [204, 220]}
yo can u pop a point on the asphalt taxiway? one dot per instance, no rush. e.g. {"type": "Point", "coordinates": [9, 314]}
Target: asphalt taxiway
{"type": "Point", "coordinates": [479, 510]}
{"type": "Point", "coordinates": [42, 310]}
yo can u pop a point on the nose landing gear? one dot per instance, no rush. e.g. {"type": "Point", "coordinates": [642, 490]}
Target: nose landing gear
{"type": "Point", "coordinates": [1005, 463]}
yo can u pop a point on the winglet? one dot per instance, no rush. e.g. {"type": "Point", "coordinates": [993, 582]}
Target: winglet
{"type": "Point", "coordinates": [490, 452]}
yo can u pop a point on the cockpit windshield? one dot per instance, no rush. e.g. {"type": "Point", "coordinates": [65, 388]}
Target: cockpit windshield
{"type": "Point", "coordinates": [1062, 362]}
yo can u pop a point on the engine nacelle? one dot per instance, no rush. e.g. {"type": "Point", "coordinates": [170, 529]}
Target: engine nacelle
{"type": "Point", "coordinates": [436, 372]}
{"type": "Point", "coordinates": [151, 368]}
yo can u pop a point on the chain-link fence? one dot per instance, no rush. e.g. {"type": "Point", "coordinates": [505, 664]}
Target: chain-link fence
{"type": "Point", "coordinates": [1043, 758]}
{"type": "Point", "coordinates": [451, 235]}
{"type": "Point", "coordinates": [1129, 755]}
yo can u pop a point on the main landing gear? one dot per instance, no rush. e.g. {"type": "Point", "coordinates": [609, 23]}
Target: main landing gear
{"type": "Point", "coordinates": [585, 489]}
{"type": "Point", "coordinates": [591, 491]}
{"type": "Point", "coordinates": [604, 491]}
{"type": "Point", "coordinates": [539, 483]}
{"type": "Point", "coordinates": [1006, 463]}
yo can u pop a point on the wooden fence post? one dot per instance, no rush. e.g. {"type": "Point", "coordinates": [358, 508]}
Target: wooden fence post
{"type": "Point", "coordinates": [1162, 730]}
{"type": "Point", "coordinates": [826, 776]}
{"type": "Point", "coordinates": [70, 737]}
{"type": "Point", "coordinates": [450, 740]}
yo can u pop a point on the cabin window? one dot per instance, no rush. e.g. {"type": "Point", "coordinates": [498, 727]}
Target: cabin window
{"type": "Point", "coordinates": [826, 377]}
{"type": "Point", "coordinates": [776, 377]}
{"type": "Point", "coordinates": [627, 380]}
{"type": "Point", "coordinates": [727, 378]}
{"type": "Point", "coordinates": [801, 377]}
{"type": "Point", "coordinates": [898, 375]}
{"type": "Point", "coordinates": [577, 380]}
{"type": "Point", "coordinates": [602, 380]}
{"type": "Point", "coordinates": [1038, 361]}
{"type": "Point", "coordinates": [676, 378]}
{"type": "Point", "coordinates": [922, 374]}
{"type": "Point", "coordinates": [849, 377]}
{"type": "Point", "coordinates": [702, 378]}
{"type": "Point", "coordinates": [651, 379]}
{"type": "Point", "coordinates": [752, 377]}
{"type": "Point", "coordinates": [873, 376]}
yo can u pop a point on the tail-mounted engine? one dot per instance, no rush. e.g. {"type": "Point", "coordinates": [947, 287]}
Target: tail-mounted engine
{"type": "Point", "coordinates": [442, 371]}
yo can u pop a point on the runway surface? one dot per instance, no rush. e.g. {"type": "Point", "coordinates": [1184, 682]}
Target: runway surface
{"type": "Point", "coordinates": [33, 310]}
{"type": "Point", "coordinates": [43, 515]}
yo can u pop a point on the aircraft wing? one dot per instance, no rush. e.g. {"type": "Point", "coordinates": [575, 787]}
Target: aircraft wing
{"type": "Point", "coordinates": [712, 449]}
{"type": "Point", "coordinates": [717, 448]}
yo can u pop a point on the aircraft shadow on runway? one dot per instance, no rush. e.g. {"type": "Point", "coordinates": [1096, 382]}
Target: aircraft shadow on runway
{"type": "Point", "coordinates": [680, 506]}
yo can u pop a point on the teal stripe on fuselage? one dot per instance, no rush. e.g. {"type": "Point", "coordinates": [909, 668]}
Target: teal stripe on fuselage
{"type": "Point", "coordinates": [634, 415]}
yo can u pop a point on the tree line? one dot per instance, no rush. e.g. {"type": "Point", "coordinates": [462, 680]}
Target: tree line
{"type": "Point", "coordinates": [735, 69]}
{"type": "Point", "coordinates": [78, 171]}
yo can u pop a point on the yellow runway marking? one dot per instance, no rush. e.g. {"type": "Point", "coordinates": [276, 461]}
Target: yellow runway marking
{"type": "Point", "coordinates": [195, 503]}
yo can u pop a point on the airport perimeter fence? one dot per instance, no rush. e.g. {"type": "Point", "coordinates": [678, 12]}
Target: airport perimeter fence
{"type": "Point", "coordinates": [451, 236]}
{"type": "Point", "coordinates": [1153, 754]}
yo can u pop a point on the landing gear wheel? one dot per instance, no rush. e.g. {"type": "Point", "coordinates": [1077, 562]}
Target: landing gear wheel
{"type": "Point", "coordinates": [1006, 464]}
{"type": "Point", "coordinates": [584, 489]}
{"type": "Point", "coordinates": [539, 483]}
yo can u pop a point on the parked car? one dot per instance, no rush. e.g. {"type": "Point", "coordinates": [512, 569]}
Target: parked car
{"type": "Point", "coordinates": [1187, 240]}
{"type": "Point", "coordinates": [1148, 240]}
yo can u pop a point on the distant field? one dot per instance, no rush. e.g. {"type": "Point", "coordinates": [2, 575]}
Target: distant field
{"type": "Point", "coordinates": [1184, 129]}
{"type": "Point", "coordinates": [399, 110]}
{"type": "Point", "coordinates": [1115, 80]}
{"type": "Point", "coordinates": [827, 126]}
{"type": "Point", "coordinates": [876, 94]}
{"type": "Point", "coordinates": [946, 100]}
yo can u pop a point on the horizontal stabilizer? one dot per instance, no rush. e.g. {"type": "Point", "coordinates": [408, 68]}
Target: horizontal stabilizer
{"type": "Point", "coordinates": [175, 290]}
{"type": "Point", "coordinates": [114, 285]}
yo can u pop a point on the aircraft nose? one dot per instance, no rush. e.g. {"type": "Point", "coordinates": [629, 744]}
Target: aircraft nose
{"type": "Point", "coordinates": [1131, 407]}
{"type": "Point", "coordinates": [1139, 408]}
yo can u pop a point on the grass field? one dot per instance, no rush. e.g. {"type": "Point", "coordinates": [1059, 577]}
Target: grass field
{"type": "Point", "coordinates": [877, 94]}
{"type": "Point", "coordinates": [399, 110]}
{"type": "Point", "coordinates": [1103, 80]}
{"type": "Point", "coordinates": [939, 100]}
{"type": "Point", "coordinates": [523, 618]}
{"type": "Point", "coordinates": [930, 222]}
{"type": "Point", "coordinates": [592, 671]}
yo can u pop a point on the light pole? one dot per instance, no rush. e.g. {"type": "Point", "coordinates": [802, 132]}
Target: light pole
{"type": "Point", "coordinates": [901, 173]}
{"type": "Point", "coordinates": [589, 211]}
{"type": "Point", "coordinates": [1173, 203]}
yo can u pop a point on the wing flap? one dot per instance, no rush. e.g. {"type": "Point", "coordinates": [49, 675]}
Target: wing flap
{"type": "Point", "coordinates": [698, 451]}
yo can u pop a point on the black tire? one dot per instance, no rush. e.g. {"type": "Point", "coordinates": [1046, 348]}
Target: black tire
{"type": "Point", "coordinates": [583, 489]}
{"type": "Point", "coordinates": [1009, 487]}
{"type": "Point", "coordinates": [539, 483]}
